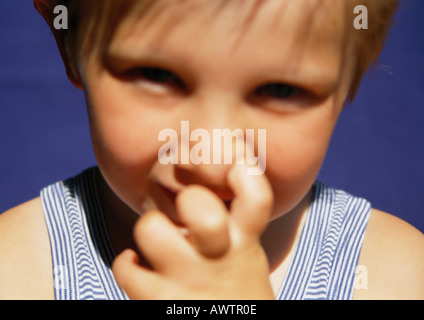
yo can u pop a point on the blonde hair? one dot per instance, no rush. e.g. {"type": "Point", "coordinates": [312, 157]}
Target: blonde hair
{"type": "Point", "coordinates": [92, 24]}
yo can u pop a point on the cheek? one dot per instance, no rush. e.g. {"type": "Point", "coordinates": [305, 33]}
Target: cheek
{"type": "Point", "coordinates": [295, 159]}
{"type": "Point", "coordinates": [125, 142]}
{"type": "Point", "coordinates": [124, 157]}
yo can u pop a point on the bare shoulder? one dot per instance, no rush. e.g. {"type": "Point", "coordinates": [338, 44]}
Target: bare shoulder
{"type": "Point", "coordinates": [393, 258]}
{"type": "Point", "coordinates": [25, 259]}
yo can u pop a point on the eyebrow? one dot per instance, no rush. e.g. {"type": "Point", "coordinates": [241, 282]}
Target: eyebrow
{"type": "Point", "coordinates": [318, 79]}
{"type": "Point", "coordinates": [146, 56]}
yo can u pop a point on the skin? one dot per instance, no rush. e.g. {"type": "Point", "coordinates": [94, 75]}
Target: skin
{"type": "Point", "coordinates": [172, 249]}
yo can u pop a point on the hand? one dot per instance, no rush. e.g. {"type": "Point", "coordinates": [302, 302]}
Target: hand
{"type": "Point", "coordinates": [220, 256]}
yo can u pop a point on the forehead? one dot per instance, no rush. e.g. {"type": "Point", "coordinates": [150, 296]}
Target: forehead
{"type": "Point", "coordinates": [284, 30]}
{"type": "Point", "coordinates": [300, 19]}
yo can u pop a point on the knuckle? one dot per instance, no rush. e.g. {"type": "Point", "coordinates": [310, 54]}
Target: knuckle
{"type": "Point", "coordinates": [212, 224]}
{"type": "Point", "coordinates": [146, 224]}
{"type": "Point", "coordinates": [262, 201]}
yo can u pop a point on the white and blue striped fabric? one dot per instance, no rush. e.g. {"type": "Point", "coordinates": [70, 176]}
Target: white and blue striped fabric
{"type": "Point", "coordinates": [323, 266]}
{"type": "Point", "coordinates": [82, 253]}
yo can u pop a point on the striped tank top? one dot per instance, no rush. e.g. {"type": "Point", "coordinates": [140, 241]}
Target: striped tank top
{"type": "Point", "coordinates": [323, 267]}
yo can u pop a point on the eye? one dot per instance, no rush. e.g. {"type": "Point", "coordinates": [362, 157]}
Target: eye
{"type": "Point", "coordinates": [156, 76]}
{"type": "Point", "coordinates": [276, 91]}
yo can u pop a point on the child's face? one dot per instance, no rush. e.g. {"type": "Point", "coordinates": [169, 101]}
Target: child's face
{"type": "Point", "coordinates": [218, 70]}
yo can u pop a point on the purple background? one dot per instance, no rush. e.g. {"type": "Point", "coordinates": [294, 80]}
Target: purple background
{"type": "Point", "coordinates": [377, 151]}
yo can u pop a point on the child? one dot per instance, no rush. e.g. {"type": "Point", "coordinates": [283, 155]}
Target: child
{"type": "Point", "coordinates": [142, 228]}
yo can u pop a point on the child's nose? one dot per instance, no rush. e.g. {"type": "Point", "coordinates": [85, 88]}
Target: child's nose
{"type": "Point", "coordinates": [210, 159]}
{"type": "Point", "coordinates": [213, 177]}
{"type": "Point", "coordinates": [216, 140]}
